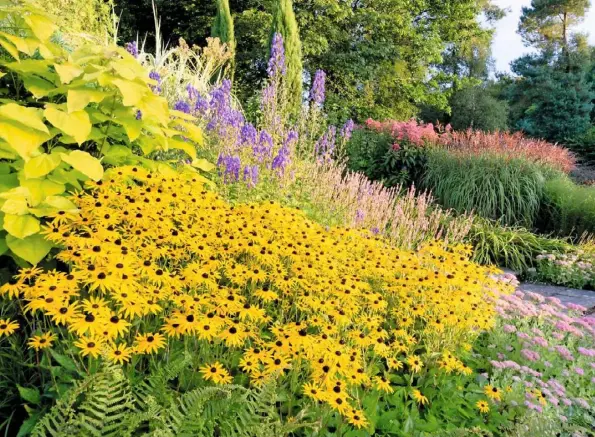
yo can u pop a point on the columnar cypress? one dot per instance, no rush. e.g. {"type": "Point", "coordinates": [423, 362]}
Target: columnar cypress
{"type": "Point", "coordinates": [284, 23]}
{"type": "Point", "coordinates": [223, 27]}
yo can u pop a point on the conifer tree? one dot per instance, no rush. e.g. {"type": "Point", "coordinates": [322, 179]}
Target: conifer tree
{"type": "Point", "coordinates": [285, 24]}
{"type": "Point", "coordinates": [223, 28]}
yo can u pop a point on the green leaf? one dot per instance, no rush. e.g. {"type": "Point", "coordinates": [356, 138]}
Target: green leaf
{"type": "Point", "coordinates": [85, 163]}
{"type": "Point", "coordinates": [78, 99]}
{"type": "Point", "coordinates": [183, 145]}
{"type": "Point", "coordinates": [76, 124]}
{"type": "Point", "coordinates": [3, 245]}
{"type": "Point", "coordinates": [39, 189]}
{"type": "Point", "coordinates": [132, 92]}
{"type": "Point", "coordinates": [52, 205]}
{"type": "Point", "coordinates": [30, 117]}
{"type": "Point", "coordinates": [68, 71]}
{"type": "Point", "coordinates": [41, 26]}
{"type": "Point", "coordinates": [10, 48]}
{"type": "Point", "coordinates": [16, 206]}
{"type": "Point", "coordinates": [8, 181]}
{"type": "Point", "coordinates": [25, 141]}
{"type": "Point", "coordinates": [25, 45]}
{"type": "Point", "coordinates": [203, 164]}
{"type": "Point", "coordinates": [41, 165]}
{"type": "Point", "coordinates": [64, 361]}
{"type": "Point", "coordinates": [32, 249]}
{"type": "Point", "coordinates": [30, 395]}
{"type": "Point", "coordinates": [117, 155]}
{"type": "Point", "coordinates": [61, 176]}
{"type": "Point", "coordinates": [21, 226]}
{"type": "Point", "coordinates": [28, 425]}
{"type": "Point", "coordinates": [38, 86]}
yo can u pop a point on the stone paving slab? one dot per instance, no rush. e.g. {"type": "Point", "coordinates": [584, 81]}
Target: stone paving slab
{"type": "Point", "coordinates": [567, 295]}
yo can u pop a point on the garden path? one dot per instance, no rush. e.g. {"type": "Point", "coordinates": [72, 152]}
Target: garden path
{"type": "Point", "coordinates": [585, 298]}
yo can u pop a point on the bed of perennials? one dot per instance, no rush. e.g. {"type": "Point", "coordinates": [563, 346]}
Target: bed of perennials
{"type": "Point", "coordinates": [258, 291]}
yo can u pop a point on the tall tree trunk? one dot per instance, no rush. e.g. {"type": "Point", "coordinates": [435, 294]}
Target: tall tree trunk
{"type": "Point", "coordinates": [565, 41]}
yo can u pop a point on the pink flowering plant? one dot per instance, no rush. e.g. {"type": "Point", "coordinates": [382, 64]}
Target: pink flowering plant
{"type": "Point", "coordinates": [576, 270]}
{"type": "Point", "coordinates": [541, 356]}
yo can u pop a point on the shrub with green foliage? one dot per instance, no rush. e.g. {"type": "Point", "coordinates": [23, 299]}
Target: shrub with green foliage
{"type": "Point", "coordinates": [493, 187]}
{"type": "Point", "coordinates": [63, 116]}
{"type": "Point", "coordinates": [375, 153]}
{"type": "Point", "coordinates": [569, 209]}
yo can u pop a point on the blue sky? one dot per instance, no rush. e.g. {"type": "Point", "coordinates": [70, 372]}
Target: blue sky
{"type": "Point", "coordinates": [508, 44]}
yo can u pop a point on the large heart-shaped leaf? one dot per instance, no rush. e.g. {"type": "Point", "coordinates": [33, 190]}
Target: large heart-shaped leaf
{"type": "Point", "coordinates": [85, 163]}
{"type": "Point", "coordinates": [41, 165]}
{"type": "Point", "coordinates": [32, 249]}
{"type": "Point", "coordinates": [75, 124]}
{"type": "Point", "coordinates": [21, 226]}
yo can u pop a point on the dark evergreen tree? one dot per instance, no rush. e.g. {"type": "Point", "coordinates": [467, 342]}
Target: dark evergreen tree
{"type": "Point", "coordinates": [550, 100]}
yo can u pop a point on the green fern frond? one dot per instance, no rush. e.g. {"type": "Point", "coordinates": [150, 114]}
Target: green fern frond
{"type": "Point", "coordinates": [99, 406]}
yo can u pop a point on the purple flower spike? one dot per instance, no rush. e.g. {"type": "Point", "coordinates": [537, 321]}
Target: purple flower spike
{"type": "Point", "coordinates": [231, 168]}
{"type": "Point", "coordinates": [347, 130]}
{"type": "Point", "coordinates": [317, 90]}
{"type": "Point", "coordinates": [182, 106]}
{"type": "Point", "coordinates": [277, 60]}
{"type": "Point", "coordinates": [192, 93]}
{"type": "Point", "coordinates": [132, 48]}
{"type": "Point", "coordinates": [156, 77]}
{"type": "Point", "coordinates": [248, 134]}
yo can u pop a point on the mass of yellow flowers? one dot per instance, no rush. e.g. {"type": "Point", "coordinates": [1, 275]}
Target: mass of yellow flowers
{"type": "Point", "coordinates": [256, 289]}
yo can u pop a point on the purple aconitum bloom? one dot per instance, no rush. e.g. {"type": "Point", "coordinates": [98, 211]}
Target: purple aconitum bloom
{"type": "Point", "coordinates": [251, 175]}
{"type": "Point", "coordinates": [248, 134]}
{"type": "Point", "coordinates": [201, 106]}
{"type": "Point", "coordinates": [192, 92]}
{"type": "Point", "coordinates": [231, 167]}
{"type": "Point", "coordinates": [283, 157]}
{"type": "Point", "coordinates": [132, 48]}
{"type": "Point", "coordinates": [325, 146]}
{"type": "Point", "coordinates": [263, 147]}
{"type": "Point", "coordinates": [347, 130]}
{"type": "Point", "coordinates": [156, 77]}
{"type": "Point", "coordinates": [182, 106]}
{"type": "Point", "coordinates": [139, 114]}
{"type": "Point", "coordinates": [317, 90]}
{"type": "Point", "coordinates": [277, 60]}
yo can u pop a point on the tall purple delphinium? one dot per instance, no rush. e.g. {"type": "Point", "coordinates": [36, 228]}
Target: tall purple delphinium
{"type": "Point", "coordinates": [132, 48]}
{"type": "Point", "coordinates": [347, 130]}
{"type": "Point", "coordinates": [318, 89]}
{"type": "Point", "coordinates": [231, 167]}
{"type": "Point", "coordinates": [193, 93]}
{"type": "Point", "coordinates": [276, 64]}
{"type": "Point", "coordinates": [325, 146]}
{"type": "Point", "coordinates": [248, 135]}
{"type": "Point", "coordinates": [251, 175]}
{"type": "Point", "coordinates": [283, 157]}
{"type": "Point", "coordinates": [182, 106]}
{"type": "Point", "coordinates": [264, 147]}
{"type": "Point", "coordinates": [156, 77]}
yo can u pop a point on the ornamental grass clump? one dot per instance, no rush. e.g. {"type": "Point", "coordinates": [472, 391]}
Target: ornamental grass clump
{"type": "Point", "coordinates": [255, 292]}
{"type": "Point", "coordinates": [492, 186]}
{"type": "Point", "coordinates": [512, 146]}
